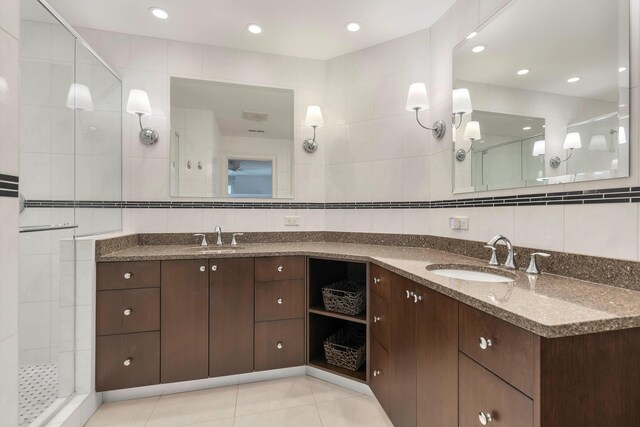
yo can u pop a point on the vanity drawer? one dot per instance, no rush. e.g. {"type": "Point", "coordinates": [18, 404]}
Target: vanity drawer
{"type": "Point", "coordinates": [269, 269]}
{"type": "Point", "coordinates": [380, 320]}
{"type": "Point", "coordinates": [127, 311]}
{"type": "Point", "coordinates": [379, 279]}
{"type": "Point", "coordinates": [501, 347]}
{"type": "Point", "coordinates": [279, 344]}
{"type": "Point", "coordinates": [483, 395]}
{"type": "Point", "coordinates": [129, 360]}
{"type": "Point", "coordinates": [127, 275]}
{"type": "Point", "coordinates": [379, 379]}
{"type": "Point", "coordinates": [279, 300]}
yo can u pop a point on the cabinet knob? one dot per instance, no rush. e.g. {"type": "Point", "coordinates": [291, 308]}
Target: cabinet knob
{"type": "Point", "coordinates": [376, 280]}
{"type": "Point", "coordinates": [408, 294]}
{"type": "Point", "coordinates": [203, 268]}
{"type": "Point", "coordinates": [376, 319]}
{"type": "Point", "coordinates": [376, 373]}
{"type": "Point", "coordinates": [127, 362]}
{"type": "Point", "coordinates": [280, 301]}
{"type": "Point", "coordinates": [214, 268]}
{"type": "Point", "coordinates": [127, 312]}
{"type": "Point", "coordinates": [279, 345]}
{"type": "Point", "coordinates": [484, 343]}
{"type": "Point", "coordinates": [280, 268]}
{"type": "Point", "coordinates": [127, 276]}
{"type": "Point", "coordinates": [416, 297]}
{"type": "Point", "coordinates": [485, 418]}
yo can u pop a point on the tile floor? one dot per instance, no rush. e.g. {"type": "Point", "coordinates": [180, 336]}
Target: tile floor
{"type": "Point", "coordinates": [37, 391]}
{"type": "Point", "coordinates": [289, 402]}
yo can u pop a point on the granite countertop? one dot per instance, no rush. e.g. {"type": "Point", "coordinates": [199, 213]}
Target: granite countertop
{"type": "Point", "coordinates": [548, 305]}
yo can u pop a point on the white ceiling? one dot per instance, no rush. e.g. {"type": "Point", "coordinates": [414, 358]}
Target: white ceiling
{"type": "Point", "coordinates": [303, 28]}
{"type": "Point", "coordinates": [228, 101]}
{"type": "Point", "coordinates": [555, 39]}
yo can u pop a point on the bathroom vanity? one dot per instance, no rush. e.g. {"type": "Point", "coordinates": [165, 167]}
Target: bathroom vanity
{"type": "Point", "coordinates": [441, 351]}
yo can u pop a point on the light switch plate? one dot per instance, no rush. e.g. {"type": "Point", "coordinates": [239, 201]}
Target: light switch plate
{"type": "Point", "coordinates": [291, 220]}
{"type": "Point", "coordinates": [459, 222]}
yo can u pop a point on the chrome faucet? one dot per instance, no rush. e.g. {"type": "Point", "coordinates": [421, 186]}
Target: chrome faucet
{"type": "Point", "coordinates": [510, 263]}
{"type": "Point", "coordinates": [219, 231]}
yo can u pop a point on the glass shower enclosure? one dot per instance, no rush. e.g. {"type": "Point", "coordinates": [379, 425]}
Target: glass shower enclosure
{"type": "Point", "coordinates": [70, 157]}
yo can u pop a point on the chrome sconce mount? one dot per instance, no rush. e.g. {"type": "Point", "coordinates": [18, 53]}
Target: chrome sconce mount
{"type": "Point", "coordinates": [471, 133]}
{"type": "Point", "coordinates": [138, 104]}
{"type": "Point", "coordinates": [313, 120]}
{"type": "Point", "coordinates": [147, 136]}
{"type": "Point", "coordinates": [417, 100]}
{"type": "Point", "coordinates": [311, 145]}
{"type": "Point", "coordinates": [439, 126]}
{"type": "Point", "coordinates": [571, 142]}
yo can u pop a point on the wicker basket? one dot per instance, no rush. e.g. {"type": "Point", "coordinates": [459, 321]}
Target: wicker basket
{"type": "Point", "coordinates": [346, 348]}
{"type": "Point", "coordinates": [346, 297]}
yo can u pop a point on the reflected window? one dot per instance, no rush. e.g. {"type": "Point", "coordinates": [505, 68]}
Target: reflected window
{"type": "Point", "coordinates": [250, 178]}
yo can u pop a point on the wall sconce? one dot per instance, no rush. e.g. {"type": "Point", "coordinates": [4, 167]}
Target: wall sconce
{"type": "Point", "coordinates": [417, 100]}
{"type": "Point", "coordinates": [314, 120]}
{"type": "Point", "coordinates": [79, 97]}
{"type": "Point", "coordinates": [622, 135]}
{"type": "Point", "coordinates": [138, 104]}
{"type": "Point", "coordinates": [471, 133]}
{"type": "Point", "coordinates": [461, 102]}
{"type": "Point", "coordinates": [599, 142]}
{"type": "Point", "coordinates": [571, 142]}
{"type": "Point", "coordinates": [539, 150]}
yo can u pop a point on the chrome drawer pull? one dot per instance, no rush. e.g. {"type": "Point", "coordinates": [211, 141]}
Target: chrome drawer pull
{"type": "Point", "coordinates": [127, 362]}
{"type": "Point", "coordinates": [279, 345]}
{"type": "Point", "coordinates": [203, 268]}
{"type": "Point", "coordinates": [376, 373]}
{"type": "Point", "coordinates": [280, 301]}
{"type": "Point", "coordinates": [127, 312]}
{"type": "Point", "coordinates": [485, 418]}
{"type": "Point", "coordinates": [408, 294]}
{"type": "Point", "coordinates": [485, 343]}
{"type": "Point", "coordinates": [280, 268]}
{"type": "Point", "coordinates": [376, 319]}
{"type": "Point", "coordinates": [214, 268]}
{"type": "Point", "coordinates": [376, 280]}
{"type": "Point", "coordinates": [127, 276]}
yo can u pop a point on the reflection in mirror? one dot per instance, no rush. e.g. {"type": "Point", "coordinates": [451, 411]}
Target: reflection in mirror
{"type": "Point", "coordinates": [550, 107]}
{"type": "Point", "coordinates": [230, 140]}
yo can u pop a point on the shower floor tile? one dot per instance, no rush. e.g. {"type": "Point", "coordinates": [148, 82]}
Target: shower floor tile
{"type": "Point", "coordinates": [37, 391]}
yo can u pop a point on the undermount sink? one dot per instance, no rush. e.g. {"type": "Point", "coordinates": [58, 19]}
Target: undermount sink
{"type": "Point", "coordinates": [471, 273]}
{"type": "Point", "coordinates": [216, 250]}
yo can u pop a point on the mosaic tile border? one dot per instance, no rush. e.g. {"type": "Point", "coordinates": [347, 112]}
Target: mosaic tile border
{"type": "Point", "coordinates": [8, 185]}
{"type": "Point", "coordinates": [578, 197]}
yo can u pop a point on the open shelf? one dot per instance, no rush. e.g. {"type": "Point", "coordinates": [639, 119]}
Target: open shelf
{"type": "Point", "coordinates": [360, 318]}
{"type": "Point", "coordinates": [359, 375]}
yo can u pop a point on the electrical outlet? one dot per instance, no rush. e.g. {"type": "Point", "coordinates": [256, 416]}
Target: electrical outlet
{"type": "Point", "coordinates": [291, 220]}
{"type": "Point", "coordinates": [464, 223]}
{"type": "Point", "coordinates": [459, 223]}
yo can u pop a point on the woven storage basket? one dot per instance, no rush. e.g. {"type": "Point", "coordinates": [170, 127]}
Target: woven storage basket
{"type": "Point", "coordinates": [346, 348]}
{"type": "Point", "coordinates": [346, 297]}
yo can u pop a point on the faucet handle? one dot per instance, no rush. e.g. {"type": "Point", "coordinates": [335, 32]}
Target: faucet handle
{"type": "Point", "coordinates": [533, 265]}
{"type": "Point", "coordinates": [204, 239]}
{"type": "Point", "coordinates": [233, 238]}
{"type": "Point", "coordinates": [494, 255]}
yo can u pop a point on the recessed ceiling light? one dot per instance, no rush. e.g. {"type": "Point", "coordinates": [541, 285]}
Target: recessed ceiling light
{"type": "Point", "coordinates": [622, 69]}
{"type": "Point", "coordinates": [159, 13]}
{"type": "Point", "coordinates": [523, 72]}
{"type": "Point", "coordinates": [478, 49]}
{"type": "Point", "coordinates": [353, 26]}
{"type": "Point", "coordinates": [573, 80]}
{"type": "Point", "coordinates": [526, 128]}
{"type": "Point", "coordinates": [472, 35]}
{"type": "Point", "coordinates": [254, 28]}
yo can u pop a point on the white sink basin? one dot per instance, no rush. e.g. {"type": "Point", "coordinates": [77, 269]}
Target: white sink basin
{"type": "Point", "coordinates": [475, 276]}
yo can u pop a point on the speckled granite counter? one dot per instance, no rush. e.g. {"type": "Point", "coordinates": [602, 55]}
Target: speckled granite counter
{"type": "Point", "coordinates": [548, 305]}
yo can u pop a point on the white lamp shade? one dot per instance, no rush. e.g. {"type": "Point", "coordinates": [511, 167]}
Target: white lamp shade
{"type": "Point", "coordinates": [614, 164]}
{"type": "Point", "coordinates": [472, 131]}
{"type": "Point", "coordinates": [138, 102]}
{"type": "Point", "coordinates": [572, 141]}
{"type": "Point", "coordinates": [622, 135]}
{"type": "Point", "coordinates": [462, 101]}
{"type": "Point", "coordinates": [598, 143]}
{"type": "Point", "coordinates": [314, 117]}
{"type": "Point", "coordinates": [417, 99]}
{"type": "Point", "coordinates": [79, 97]}
{"type": "Point", "coordinates": [539, 148]}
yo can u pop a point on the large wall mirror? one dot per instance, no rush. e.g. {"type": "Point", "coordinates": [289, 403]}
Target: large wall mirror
{"type": "Point", "coordinates": [548, 84]}
{"type": "Point", "coordinates": [230, 140]}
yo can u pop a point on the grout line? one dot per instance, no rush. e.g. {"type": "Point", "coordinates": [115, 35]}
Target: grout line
{"type": "Point", "coordinates": [146, 422]}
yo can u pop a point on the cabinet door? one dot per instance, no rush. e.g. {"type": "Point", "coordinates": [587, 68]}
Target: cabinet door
{"type": "Point", "coordinates": [437, 359]}
{"type": "Point", "coordinates": [231, 294]}
{"type": "Point", "coordinates": [184, 320]}
{"type": "Point", "coordinates": [380, 377]}
{"type": "Point", "coordinates": [402, 353]}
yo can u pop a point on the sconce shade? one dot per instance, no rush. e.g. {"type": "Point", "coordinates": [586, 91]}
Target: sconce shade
{"type": "Point", "coordinates": [461, 101]}
{"type": "Point", "coordinates": [138, 102]}
{"type": "Point", "coordinates": [417, 99]}
{"type": "Point", "coordinates": [622, 135]}
{"type": "Point", "coordinates": [572, 141]}
{"type": "Point", "coordinates": [314, 117]}
{"type": "Point", "coordinates": [539, 148]}
{"type": "Point", "coordinates": [79, 97]}
{"type": "Point", "coordinates": [614, 164]}
{"type": "Point", "coordinates": [472, 131]}
{"type": "Point", "coordinates": [598, 143]}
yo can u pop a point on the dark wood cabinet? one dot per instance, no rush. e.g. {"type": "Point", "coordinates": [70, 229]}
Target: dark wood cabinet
{"type": "Point", "coordinates": [279, 344]}
{"type": "Point", "coordinates": [231, 300]}
{"type": "Point", "coordinates": [274, 268]}
{"type": "Point", "coordinates": [184, 320]}
{"type": "Point", "coordinates": [380, 377]}
{"type": "Point", "coordinates": [380, 322]}
{"type": "Point", "coordinates": [280, 300]}
{"type": "Point", "coordinates": [127, 311]}
{"type": "Point", "coordinates": [127, 275]}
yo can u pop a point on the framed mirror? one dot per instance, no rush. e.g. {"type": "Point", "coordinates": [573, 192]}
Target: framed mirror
{"type": "Point", "coordinates": [231, 140]}
{"type": "Point", "coordinates": [542, 104]}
